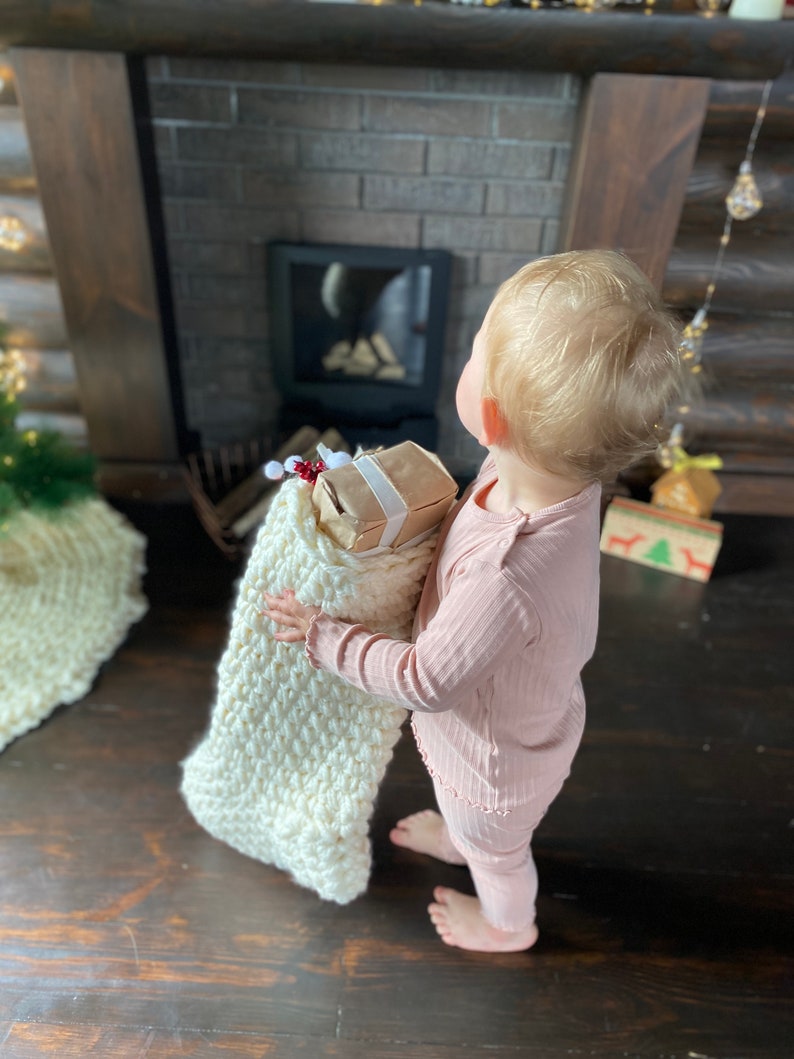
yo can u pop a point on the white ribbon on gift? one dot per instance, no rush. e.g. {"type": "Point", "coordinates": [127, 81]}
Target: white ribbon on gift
{"type": "Point", "coordinates": [394, 507]}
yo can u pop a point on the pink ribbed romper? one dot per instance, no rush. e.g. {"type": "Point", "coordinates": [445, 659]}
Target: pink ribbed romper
{"type": "Point", "coordinates": [507, 619]}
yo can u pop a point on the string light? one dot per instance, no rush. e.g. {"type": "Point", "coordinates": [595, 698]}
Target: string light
{"type": "Point", "coordinates": [38, 468]}
{"type": "Point", "coordinates": [745, 200]}
{"type": "Point", "coordinates": [742, 202]}
{"type": "Point", "coordinates": [711, 7]}
{"type": "Point", "coordinates": [587, 6]}
{"type": "Point", "coordinates": [12, 372]}
{"type": "Point", "coordinates": [593, 5]}
{"type": "Point", "coordinates": [647, 7]}
{"type": "Point", "coordinates": [536, 5]}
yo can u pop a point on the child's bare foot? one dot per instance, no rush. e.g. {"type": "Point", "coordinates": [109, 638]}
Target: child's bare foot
{"type": "Point", "coordinates": [459, 921]}
{"type": "Point", "coordinates": [426, 832]}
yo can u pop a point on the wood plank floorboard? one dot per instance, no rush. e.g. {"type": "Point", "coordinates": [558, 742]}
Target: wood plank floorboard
{"type": "Point", "coordinates": [666, 864]}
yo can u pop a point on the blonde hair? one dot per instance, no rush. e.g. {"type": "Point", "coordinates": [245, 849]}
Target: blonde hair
{"type": "Point", "coordinates": [581, 361]}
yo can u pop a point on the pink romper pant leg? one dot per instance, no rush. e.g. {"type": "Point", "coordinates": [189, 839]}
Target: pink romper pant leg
{"type": "Point", "coordinates": [497, 849]}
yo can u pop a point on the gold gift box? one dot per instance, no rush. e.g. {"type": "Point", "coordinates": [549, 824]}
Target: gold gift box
{"type": "Point", "coordinates": [385, 499]}
{"type": "Point", "coordinates": [691, 491]}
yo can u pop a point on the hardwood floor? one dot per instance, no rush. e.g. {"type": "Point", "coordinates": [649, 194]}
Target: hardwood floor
{"type": "Point", "coordinates": [665, 865]}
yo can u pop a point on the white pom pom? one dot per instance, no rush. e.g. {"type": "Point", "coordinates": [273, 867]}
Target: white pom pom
{"type": "Point", "coordinates": [273, 469]}
{"type": "Point", "coordinates": [289, 463]}
{"type": "Point", "coordinates": [332, 459]}
{"type": "Point", "coordinates": [338, 459]}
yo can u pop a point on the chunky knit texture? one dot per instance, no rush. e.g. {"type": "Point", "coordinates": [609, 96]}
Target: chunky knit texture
{"type": "Point", "coordinates": [70, 585]}
{"type": "Point", "coordinates": [289, 767]}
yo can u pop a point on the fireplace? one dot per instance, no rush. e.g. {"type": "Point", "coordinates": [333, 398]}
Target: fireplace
{"type": "Point", "coordinates": [471, 155]}
{"type": "Point", "coordinates": [357, 338]}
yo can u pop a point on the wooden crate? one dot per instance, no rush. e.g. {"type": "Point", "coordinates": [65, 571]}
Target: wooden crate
{"type": "Point", "coordinates": [229, 490]}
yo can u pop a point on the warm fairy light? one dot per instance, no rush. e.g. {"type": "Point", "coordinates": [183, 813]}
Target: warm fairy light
{"type": "Point", "coordinates": [593, 5]}
{"type": "Point", "coordinates": [12, 372]}
{"type": "Point", "coordinates": [690, 349]}
{"type": "Point", "coordinates": [14, 235]}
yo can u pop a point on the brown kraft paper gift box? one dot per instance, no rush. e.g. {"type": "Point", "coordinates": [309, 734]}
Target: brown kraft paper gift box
{"type": "Point", "coordinates": [384, 499]}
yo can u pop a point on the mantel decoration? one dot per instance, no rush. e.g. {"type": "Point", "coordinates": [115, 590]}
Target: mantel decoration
{"type": "Point", "coordinates": [707, 7]}
{"type": "Point", "coordinates": [70, 568]}
{"type": "Point", "coordinates": [750, 9]}
{"type": "Point", "coordinates": [582, 5]}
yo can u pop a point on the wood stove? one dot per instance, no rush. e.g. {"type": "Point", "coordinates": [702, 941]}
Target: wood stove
{"type": "Point", "coordinates": [357, 338]}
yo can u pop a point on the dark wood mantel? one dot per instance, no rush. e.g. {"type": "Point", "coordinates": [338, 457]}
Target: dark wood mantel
{"type": "Point", "coordinates": [434, 33]}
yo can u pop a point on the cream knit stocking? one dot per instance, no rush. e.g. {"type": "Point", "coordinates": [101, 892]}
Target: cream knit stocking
{"type": "Point", "coordinates": [289, 767]}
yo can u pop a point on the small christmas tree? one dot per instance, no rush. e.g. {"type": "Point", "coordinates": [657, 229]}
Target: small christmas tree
{"type": "Point", "coordinates": [38, 468]}
{"type": "Point", "coordinates": [660, 553]}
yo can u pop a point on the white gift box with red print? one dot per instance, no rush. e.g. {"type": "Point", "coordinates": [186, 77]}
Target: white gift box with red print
{"type": "Point", "coordinates": [666, 540]}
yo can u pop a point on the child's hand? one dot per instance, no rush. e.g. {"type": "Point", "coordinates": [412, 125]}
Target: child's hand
{"type": "Point", "coordinates": [287, 611]}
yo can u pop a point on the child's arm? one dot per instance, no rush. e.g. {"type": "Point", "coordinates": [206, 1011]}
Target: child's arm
{"type": "Point", "coordinates": [483, 620]}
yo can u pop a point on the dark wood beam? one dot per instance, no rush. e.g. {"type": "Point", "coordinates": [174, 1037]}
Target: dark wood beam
{"type": "Point", "coordinates": [81, 123]}
{"type": "Point", "coordinates": [629, 173]}
{"type": "Point", "coordinates": [403, 34]}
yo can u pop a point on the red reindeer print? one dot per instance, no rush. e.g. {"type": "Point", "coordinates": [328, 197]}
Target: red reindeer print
{"type": "Point", "coordinates": [693, 564]}
{"type": "Point", "coordinates": [626, 543]}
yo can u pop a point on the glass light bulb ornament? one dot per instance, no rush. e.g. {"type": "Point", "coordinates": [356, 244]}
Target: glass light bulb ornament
{"type": "Point", "coordinates": [744, 200]}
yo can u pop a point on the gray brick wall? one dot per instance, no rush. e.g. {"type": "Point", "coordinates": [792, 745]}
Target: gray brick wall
{"type": "Point", "coordinates": [472, 162]}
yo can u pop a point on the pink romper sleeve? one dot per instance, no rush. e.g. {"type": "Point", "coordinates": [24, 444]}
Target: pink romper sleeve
{"type": "Point", "coordinates": [483, 619]}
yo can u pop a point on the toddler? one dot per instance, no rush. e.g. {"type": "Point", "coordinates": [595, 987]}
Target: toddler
{"type": "Point", "coordinates": [568, 379]}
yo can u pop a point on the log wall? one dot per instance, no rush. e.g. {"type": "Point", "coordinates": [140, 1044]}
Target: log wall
{"type": "Point", "coordinates": [29, 295]}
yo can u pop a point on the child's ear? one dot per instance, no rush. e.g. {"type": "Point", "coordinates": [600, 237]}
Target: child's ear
{"type": "Point", "coordinates": [493, 425]}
